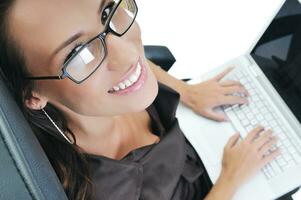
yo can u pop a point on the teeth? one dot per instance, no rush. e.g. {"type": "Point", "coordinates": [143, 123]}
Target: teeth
{"type": "Point", "coordinates": [116, 88]}
{"type": "Point", "coordinates": [121, 85]}
{"type": "Point", "coordinates": [138, 70]}
{"type": "Point", "coordinates": [128, 82]}
{"type": "Point", "coordinates": [133, 78]}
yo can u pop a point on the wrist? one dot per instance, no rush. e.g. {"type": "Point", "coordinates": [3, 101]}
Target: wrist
{"type": "Point", "coordinates": [184, 91]}
{"type": "Point", "coordinates": [229, 180]}
{"type": "Point", "coordinates": [228, 184]}
{"type": "Point", "coordinates": [223, 189]}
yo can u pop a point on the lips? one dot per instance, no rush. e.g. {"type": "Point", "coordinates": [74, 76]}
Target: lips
{"type": "Point", "coordinates": [129, 78]}
{"type": "Point", "coordinates": [138, 83]}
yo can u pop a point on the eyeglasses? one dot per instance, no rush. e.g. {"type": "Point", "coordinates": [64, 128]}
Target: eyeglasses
{"type": "Point", "coordinates": [87, 58]}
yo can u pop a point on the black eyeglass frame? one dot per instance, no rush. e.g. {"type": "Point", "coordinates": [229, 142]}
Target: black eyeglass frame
{"type": "Point", "coordinates": [101, 36]}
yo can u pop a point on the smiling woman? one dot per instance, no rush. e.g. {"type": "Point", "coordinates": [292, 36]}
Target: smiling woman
{"type": "Point", "coordinates": [78, 71]}
{"type": "Point", "coordinates": [40, 30]}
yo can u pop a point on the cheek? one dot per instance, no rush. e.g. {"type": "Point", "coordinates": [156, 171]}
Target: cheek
{"type": "Point", "coordinates": [137, 30]}
{"type": "Point", "coordinates": [80, 98]}
{"type": "Point", "coordinates": [134, 33]}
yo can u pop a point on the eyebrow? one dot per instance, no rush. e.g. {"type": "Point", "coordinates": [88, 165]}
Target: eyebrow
{"type": "Point", "coordinates": [77, 35]}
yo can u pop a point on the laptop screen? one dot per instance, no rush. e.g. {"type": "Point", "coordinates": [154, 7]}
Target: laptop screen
{"type": "Point", "coordinates": [278, 54]}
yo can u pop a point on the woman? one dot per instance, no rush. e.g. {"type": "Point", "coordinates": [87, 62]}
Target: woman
{"type": "Point", "coordinates": [78, 72]}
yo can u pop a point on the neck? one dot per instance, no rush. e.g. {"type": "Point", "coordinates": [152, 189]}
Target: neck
{"type": "Point", "coordinates": [108, 136]}
{"type": "Point", "coordinates": [100, 131]}
{"type": "Point", "coordinates": [87, 128]}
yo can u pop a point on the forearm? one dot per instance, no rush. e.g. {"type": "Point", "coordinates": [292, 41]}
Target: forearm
{"type": "Point", "coordinates": [223, 189]}
{"type": "Point", "coordinates": [167, 79]}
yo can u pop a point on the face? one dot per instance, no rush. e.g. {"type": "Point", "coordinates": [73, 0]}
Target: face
{"type": "Point", "coordinates": [41, 26]}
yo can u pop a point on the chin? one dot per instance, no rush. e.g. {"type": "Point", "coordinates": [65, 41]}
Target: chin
{"type": "Point", "coordinates": [148, 94]}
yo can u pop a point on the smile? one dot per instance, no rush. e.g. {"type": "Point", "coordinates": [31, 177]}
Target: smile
{"type": "Point", "coordinates": [132, 82]}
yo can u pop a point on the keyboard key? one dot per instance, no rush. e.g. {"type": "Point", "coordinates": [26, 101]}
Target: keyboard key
{"type": "Point", "coordinates": [275, 167]}
{"type": "Point", "coordinates": [281, 161]}
{"type": "Point", "coordinates": [296, 157]}
{"type": "Point", "coordinates": [259, 117]}
{"type": "Point", "coordinates": [245, 122]}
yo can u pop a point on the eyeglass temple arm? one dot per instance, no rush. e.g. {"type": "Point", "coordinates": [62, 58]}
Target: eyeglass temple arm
{"type": "Point", "coordinates": [161, 56]}
{"type": "Point", "coordinates": [44, 77]}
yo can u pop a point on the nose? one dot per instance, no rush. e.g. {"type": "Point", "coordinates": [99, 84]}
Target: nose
{"type": "Point", "coordinates": [121, 53]}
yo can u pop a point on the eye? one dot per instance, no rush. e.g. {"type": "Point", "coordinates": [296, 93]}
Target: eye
{"type": "Point", "coordinates": [74, 50]}
{"type": "Point", "coordinates": [106, 12]}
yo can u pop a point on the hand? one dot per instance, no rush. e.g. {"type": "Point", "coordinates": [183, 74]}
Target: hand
{"type": "Point", "coordinates": [205, 96]}
{"type": "Point", "coordinates": [242, 159]}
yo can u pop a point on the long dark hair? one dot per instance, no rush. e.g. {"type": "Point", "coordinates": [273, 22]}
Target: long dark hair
{"type": "Point", "coordinates": [68, 160]}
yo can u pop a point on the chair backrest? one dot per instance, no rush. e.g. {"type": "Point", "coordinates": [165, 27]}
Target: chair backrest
{"type": "Point", "coordinates": [25, 171]}
{"type": "Point", "coordinates": [160, 55]}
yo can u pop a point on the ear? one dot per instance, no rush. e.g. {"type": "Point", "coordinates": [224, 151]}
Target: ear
{"type": "Point", "coordinates": [36, 101]}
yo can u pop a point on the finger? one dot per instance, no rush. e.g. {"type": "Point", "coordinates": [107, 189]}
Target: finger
{"type": "Point", "coordinates": [267, 146]}
{"type": "Point", "coordinates": [253, 134]}
{"type": "Point", "coordinates": [210, 113]}
{"type": "Point", "coordinates": [232, 100]}
{"type": "Point", "coordinates": [236, 89]}
{"type": "Point", "coordinates": [233, 140]}
{"type": "Point", "coordinates": [263, 138]}
{"type": "Point", "coordinates": [270, 157]}
{"type": "Point", "coordinates": [226, 83]}
{"type": "Point", "coordinates": [222, 74]}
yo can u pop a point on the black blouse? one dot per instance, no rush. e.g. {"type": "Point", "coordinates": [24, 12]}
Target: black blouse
{"type": "Point", "coordinates": [168, 170]}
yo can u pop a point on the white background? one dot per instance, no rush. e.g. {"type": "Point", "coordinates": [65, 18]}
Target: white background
{"type": "Point", "coordinates": [204, 34]}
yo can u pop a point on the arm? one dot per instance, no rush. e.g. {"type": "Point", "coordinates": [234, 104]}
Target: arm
{"type": "Point", "coordinates": [172, 82]}
{"type": "Point", "coordinates": [223, 189]}
{"type": "Point", "coordinates": [203, 97]}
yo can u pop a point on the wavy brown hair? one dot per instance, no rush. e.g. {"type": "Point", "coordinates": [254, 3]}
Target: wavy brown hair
{"type": "Point", "coordinates": [68, 160]}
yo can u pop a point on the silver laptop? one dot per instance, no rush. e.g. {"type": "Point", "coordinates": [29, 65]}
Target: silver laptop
{"type": "Point", "coordinates": [271, 72]}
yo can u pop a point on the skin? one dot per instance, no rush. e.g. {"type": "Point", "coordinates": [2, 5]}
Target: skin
{"type": "Point", "coordinates": [97, 113]}
{"type": "Point", "coordinates": [112, 125]}
{"type": "Point", "coordinates": [205, 96]}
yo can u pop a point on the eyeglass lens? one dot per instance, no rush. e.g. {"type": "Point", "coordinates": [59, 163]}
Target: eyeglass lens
{"type": "Point", "coordinates": [91, 56]}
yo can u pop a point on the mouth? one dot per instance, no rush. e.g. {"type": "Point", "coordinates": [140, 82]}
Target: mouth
{"type": "Point", "coordinates": [132, 80]}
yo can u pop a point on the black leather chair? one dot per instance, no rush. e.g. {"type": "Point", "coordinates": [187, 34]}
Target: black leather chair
{"type": "Point", "coordinates": [25, 170]}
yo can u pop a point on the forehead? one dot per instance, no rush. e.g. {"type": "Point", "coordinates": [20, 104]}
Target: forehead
{"type": "Point", "coordinates": [41, 16]}
{"type": "Point", "coordinates": [39, 26]}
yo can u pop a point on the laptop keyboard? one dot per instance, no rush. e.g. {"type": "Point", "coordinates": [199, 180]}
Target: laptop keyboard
{"type": "Point", "coordinates": [257, 112]}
